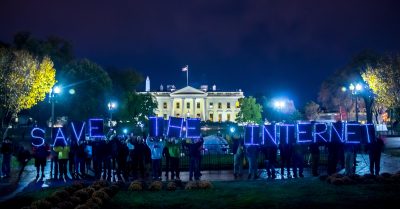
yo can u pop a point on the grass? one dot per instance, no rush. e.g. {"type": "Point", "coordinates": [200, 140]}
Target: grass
{"type": "Point", "coordinates": [293, 193]}
{"type": "Point", "coordinates": [302, 193]}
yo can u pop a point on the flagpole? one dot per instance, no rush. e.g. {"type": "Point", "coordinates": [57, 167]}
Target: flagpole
{"type": "Point", "coordinates": [187, 76]}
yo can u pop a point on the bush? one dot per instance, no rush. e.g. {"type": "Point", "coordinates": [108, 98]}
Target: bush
{"type": "Point", "coordinates": [65, 205]}
{"type": "Point", "coordinates": [156, 186]}
{"type": "Point", "coordinates": [102, 195]}
{"type": "Point", "coordinates": [171, 186]}
{"type": "Point", "coordinates": [191, 185]}
{"type": "Point", "coordinates": [41, 204]}
{"type": "Point", "coordinates": [82, 194]}
{"type": "Point", "coordinates": [136, 186]}
{"type": "Point", "coordinates": [84, 206]}
{"type": "Point", "coordinates": [61, 194]}
{"type": "Point", "coordinates": [53, 199]}
{"type": "Point", "coordinates": [205, 185]}
{"type": "Point", "coordinates": [96, 201]}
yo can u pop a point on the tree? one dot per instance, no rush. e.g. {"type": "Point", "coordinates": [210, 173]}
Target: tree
{"type": "Point", "coordinates": [384, 82]}
{"type": "Point", "coordinates": [331, 95]}
{"type": "Point", "coordinates": [24, 82]}
{"type": "Point", "coordinates": [250, 111]}
{"type": "Point", "coordinates": [137, 107]}
{"type": "Point", "coordinates": [311, 110]}
{"type": "Point", "coordinates": [91, 86]}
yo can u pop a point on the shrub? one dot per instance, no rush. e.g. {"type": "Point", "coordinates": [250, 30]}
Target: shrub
{"type": "Point", "coordinates": [171, 186]}
{"type": "Point", "coordinates": [337, 181]}
{"type": "Point", "coordinates": [65, 205]}
{"type": "Point", "coordinates": [89, 190]}
{"type": "Point", "coordinates": [92, 205]}
{"type": "Point", "coordinates": [41, 204]}
{"type": "Point", "coordinates": [136, 186]}
{"type": "Point", "coordinates": [102, 195]}
{"type": "Point", "coordinates": [76, 200]}
{"type": "Point", "coordinates": [156, 186]}
{"type": "Point", "coordinates": [191, 185]}
{"type": "Point", "coordinates": [82, 194]}
{"type": "Point", "coordinates": [95, 200]}
{"type": "Point", "coordinates": [53, 199]}
{"type": "Point", "coordinates": [205, 185]}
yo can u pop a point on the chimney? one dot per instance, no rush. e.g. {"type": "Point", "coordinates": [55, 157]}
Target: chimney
{"type": "Point", "coordinates": [147, 84]}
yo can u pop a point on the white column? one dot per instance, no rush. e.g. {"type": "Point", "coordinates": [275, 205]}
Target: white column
{"type": "Point", "coordinates": [194, 108]}
{"type": "Point", "coordinates": [205, 116]}
{"type": "Point", "coordinates": [183, 107]}
{"type": "Point", "coordinates": [171, 105]}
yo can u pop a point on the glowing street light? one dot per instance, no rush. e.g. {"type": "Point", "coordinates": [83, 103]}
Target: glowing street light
{"type": "Point", "coordinates": [232, 130]}
{"type": "Point", "coordinates": [111, 107]}
{"type": "Point", "coordinates": [52, 99]}
{"type": "Point", "coordinates": [355, 90]}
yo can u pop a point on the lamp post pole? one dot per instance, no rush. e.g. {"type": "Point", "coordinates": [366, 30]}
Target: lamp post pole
{"type": "Point", "coordinates": [355, 89]}
{"type": "Point", "coordinates": [54, 161]}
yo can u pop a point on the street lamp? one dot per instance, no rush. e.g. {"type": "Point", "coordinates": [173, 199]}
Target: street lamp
{"type": "Point", "coordinates": [52, 99]}
{"type": "Point", "coordinates": [111, 106]}
{"type": "Point", "coordinates": [355, 89]}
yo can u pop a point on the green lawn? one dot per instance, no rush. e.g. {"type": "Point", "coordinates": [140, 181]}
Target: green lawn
{"type": "Point", "coordinates": [300, 193]}
{"type": "Point", "coordinates": [293, 193]}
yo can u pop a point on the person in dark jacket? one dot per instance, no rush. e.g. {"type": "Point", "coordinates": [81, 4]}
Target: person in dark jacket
{"type": "Point", "coordinates": [41, 153]}
{"type": "Point", "coordinates": [252, 154]}
{"type": "Point", "coordinates": [80, 160]}
{"type": "Point", "coordinates": [6, 151]}
{"type": "Point", "coordinates": [375, 149]}
{"type": "Point", "coordinates": [122, 156]}
{"type": "Point", "coordinates": [23, 157]}
{"type": "Point", "coordinates": [194, 146]}
{"type": "Point", "coordinates": [138, 158]}
{"type": "Point", "coordinates": [238, 155]}
{"type": "Point", "coordinates": [315, 156]}
{"type": "Point", "coordinates": [285, 151]}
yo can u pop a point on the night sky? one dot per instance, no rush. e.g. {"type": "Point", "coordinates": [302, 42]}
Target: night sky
{"type": "Point", "coordinates": [275, 47]}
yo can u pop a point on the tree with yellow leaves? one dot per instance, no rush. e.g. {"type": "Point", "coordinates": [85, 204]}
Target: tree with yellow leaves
{"type": "Point", "coordinates": [24, 81]}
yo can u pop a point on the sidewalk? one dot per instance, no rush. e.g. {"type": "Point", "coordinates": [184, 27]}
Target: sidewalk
{"type": "Point", "coordinates": [9, 187]}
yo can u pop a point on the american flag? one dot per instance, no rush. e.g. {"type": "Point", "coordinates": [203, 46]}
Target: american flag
{"type": "Point", "coordinates": [186, 68]}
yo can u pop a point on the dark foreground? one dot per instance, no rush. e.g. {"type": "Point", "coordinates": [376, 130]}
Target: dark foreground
{"type": "Point", "coordinates": [290, 193]}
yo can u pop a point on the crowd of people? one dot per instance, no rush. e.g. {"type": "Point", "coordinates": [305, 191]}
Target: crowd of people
{"type": "Point", "coordinates": [123, 157]}
{"type": "Point", "coordinates": [292, 158]}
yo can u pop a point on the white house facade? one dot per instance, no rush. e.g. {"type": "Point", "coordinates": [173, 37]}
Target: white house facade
{"type": "Point", "coordinates": [215, 106]}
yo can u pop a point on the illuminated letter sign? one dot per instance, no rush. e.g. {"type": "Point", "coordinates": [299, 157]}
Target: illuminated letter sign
{"type": "Point", "coordinates": [286, 132]}
{"type": "Point", "coordinates": [156, 126]}
{"type": "Point", "coordinates": [37, 135]}
{"type": "Point", "coordinates": [337, 132]}
{"type": "Point", "coordinates": [175, 126]}
{"type": "Point", "coordinates": [269, 135]}
{"type": "Point", "coordinates": [304, 133]}
{"type": "Point", "coordinates": [353, 133]}
{"type": "Point", "coordinates": [96, 128]}
{"type": "Point", "coordinates": [321, 134]}
{"type": "Point", "coordinates": [368, 133]}
{"type": "Point", "coordinates": [192, 127]}
{"type": "Point", "coordinates": [252, 135]}
{"type": "Point", "coordinates": [78, 134]}
{"type": "Point", "coordinates": [59, 137]}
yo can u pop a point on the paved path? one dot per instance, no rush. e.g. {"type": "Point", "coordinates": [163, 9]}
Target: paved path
{"type": "Point", "coordinates": [28, 182]}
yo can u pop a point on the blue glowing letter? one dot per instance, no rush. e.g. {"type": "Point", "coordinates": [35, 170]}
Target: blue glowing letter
{"type": "Point", "coordinates": [59, 139]}
{"type": "Point", "coordinates": [286, 134]}
{"type": "Point", "coordinates": [320, 132]}
{"type": "Point", "coordinates": [353, 134]}
{"type": "Point", "coordinates": [192, 127]}
{"type": "Point", "coordinates": [37, 135]}
{"type": "Point", "coordinates": [304, 132]}
{"type": "Point", "coordinates": [156, 126]}
{"type": "Point", "coordinates": [175, 126]}
{"type": "Point", "coordinates": [78, 137]}
{"type": "Point", "coordinates": [337, 132]}
{"type": "Point", "coordinates": [251, 135]}
{"type": "Point", "coordinates": [368, 133]}
{"type": "Point", "coordinates": [269, 135]}
{"type": "Point", "coordinates": [96, 128]}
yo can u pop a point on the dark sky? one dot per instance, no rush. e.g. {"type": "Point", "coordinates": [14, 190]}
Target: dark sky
{"type": "Point", "coordinates": [275, 47]}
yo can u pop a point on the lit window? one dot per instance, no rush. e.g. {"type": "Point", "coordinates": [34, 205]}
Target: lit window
{"type": "Point", "coordinates": [198, 115]}
{"type": "Point", "coordinates": [228, 117]}
{"type": "Point", "coordinates": [211, 105]}
{"type": "Point", "coordinates": [219, 117]}
{"type": "Point", "coordinates": [237, 104]}
{"type": "Point", "coordinates": [211, 117]}
{"type": "Point", "coordinates": [198, 104]}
